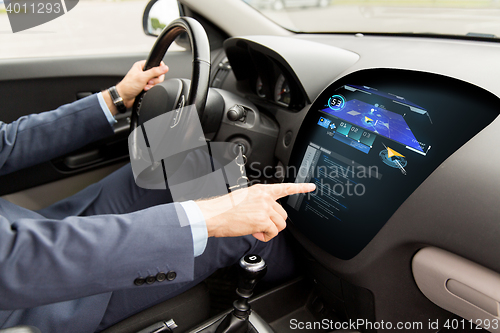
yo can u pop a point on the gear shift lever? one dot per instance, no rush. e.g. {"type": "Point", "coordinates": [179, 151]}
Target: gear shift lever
{"type": "Point", "coordinates": [252, 269]}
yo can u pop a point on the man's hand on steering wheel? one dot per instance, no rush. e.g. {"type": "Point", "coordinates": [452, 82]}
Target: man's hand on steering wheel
{"type": "Point", "coordinates": [134, 82]}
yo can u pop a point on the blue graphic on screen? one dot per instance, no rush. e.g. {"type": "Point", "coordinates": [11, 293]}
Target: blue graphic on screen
{"type": "Point", "coordinates": [323, 122]}
{"type": "Point", "coordinates": [399, 99]}
{"type": "Point", "coordinates": [383, 122]}
{"type": "Point", "coordinates": [336, 102]}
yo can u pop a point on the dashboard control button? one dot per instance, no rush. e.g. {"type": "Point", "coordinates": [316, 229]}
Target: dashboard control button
{"type": "Point", "coordinates": [236, 113]}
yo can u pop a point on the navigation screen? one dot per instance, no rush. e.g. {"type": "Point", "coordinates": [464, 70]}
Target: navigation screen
{"type": "Point", "coordinates": [357, 115]}
{"type": "Point", "coordinates": [368, 142]}
{"type": "Point", "coordinates": [360, 140]}
{"type": "Point", "coordinates": [364, 119]}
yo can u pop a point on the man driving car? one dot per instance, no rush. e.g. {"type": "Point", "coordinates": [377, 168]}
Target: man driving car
{"type": "Point", "coordinates": [114, 248]}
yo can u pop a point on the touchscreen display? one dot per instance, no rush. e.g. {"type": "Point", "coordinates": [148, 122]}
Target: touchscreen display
{"type": "Point", "coordinates": [370, 121]}
{"type": "Point", "coordinates": [367, 142]}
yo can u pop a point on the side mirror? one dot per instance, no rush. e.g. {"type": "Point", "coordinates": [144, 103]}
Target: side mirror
{"type": "Point", "coordinates": [158, 14]}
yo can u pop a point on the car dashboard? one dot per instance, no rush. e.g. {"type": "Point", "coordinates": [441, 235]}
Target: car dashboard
{"type": "Point", "coordinates": [399, 135]}
{"type": "Point", "coordinates": [398, 132]}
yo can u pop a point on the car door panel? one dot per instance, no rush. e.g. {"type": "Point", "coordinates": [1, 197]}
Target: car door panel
{"type": "Point", "coordinates": [36, 85]}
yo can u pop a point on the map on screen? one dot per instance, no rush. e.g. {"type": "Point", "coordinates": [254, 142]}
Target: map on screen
{"type": "Point", "coordinates": [383, 122]}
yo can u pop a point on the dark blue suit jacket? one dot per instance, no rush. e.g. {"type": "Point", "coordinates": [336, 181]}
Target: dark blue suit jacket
{"type": "Point", "coordinates": [59, 274]}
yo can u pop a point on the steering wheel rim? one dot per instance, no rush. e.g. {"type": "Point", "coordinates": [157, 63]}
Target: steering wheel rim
{"type": "Point", "coordinates": [200, 76]}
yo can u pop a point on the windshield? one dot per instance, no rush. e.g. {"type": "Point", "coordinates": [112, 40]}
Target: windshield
{"type": "Point", "coordinates": [479, 18]}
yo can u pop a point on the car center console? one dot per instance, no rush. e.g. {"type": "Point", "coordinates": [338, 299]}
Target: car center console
{"type": "Point", "coordinates": [368, 141]}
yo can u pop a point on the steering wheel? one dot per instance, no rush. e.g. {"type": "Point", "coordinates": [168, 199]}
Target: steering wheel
{"type": "Point", "coordinates": [172, 96]}
{"type": "Point", "coordinates": [167, 96]}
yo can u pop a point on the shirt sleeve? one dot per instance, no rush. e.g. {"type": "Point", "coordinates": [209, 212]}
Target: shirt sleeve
{"type": "Point", "coordinates": [109, 116]}
{"type": "Point", "coordinates": [198, 226]}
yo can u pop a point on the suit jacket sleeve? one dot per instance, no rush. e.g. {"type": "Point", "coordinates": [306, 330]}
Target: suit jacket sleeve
{"type": "Point", "coordinates": [45, 261]}
{"type": "Point", "coordinates": [41, 137]}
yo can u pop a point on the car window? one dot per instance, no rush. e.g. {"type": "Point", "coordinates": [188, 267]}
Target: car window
{"type": "Point", "coordinates": [92, 27]}
{"type": "Point", "coordinates": [478, 18]}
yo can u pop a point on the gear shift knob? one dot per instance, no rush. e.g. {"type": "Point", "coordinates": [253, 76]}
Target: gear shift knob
{"type": "Point", "coordinates": [252, 270]}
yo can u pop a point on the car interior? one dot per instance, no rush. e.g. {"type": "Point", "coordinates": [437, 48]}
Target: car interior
{"type": "Point", "coordinates": [397, 131]}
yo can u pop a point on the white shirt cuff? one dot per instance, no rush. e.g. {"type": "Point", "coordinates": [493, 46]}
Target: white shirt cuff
{"type": "Point", "coordinates": [198, 226]}
{"type": "Point", "coordinates": [109, 116]}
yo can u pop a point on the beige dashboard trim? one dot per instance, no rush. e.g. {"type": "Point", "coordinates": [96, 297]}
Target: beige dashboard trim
{"type": "Point", "coordinates": [459, 286]}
